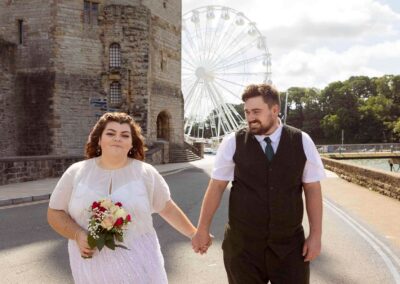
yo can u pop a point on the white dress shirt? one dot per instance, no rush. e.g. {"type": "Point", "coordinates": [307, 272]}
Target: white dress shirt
{"type": "Point", "coordinates": [224, 165]}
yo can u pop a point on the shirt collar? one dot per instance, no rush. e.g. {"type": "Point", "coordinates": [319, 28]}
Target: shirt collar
{"type": "Point", "coordinates": [275, 136]}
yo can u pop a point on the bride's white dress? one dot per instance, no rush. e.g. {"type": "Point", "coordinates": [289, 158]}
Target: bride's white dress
{"type": "Point", "coordinates": [142, 191]}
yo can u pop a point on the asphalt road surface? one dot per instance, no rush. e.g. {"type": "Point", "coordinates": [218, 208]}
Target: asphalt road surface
{"type": "Point", "coordinates": [353, 252]}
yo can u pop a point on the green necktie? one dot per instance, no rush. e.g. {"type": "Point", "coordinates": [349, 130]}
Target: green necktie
{"type": "Point", "coordinates": [269, 152]}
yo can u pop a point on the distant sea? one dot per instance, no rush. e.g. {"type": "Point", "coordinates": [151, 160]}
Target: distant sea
{"type": "Point", "coordinates": [382, 164]}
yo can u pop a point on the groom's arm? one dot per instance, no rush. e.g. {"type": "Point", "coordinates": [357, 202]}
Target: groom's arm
{"type": "Point", "coordinates": [313, 198]}
{"type": "Point", "coordinates": [212, 199]}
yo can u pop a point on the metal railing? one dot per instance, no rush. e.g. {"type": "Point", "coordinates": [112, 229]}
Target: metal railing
{"type": "Point", "coordinates": [359, 148]}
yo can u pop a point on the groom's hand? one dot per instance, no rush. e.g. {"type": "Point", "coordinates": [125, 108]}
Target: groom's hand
{"type": "Point", "coordinates": [201, 241]}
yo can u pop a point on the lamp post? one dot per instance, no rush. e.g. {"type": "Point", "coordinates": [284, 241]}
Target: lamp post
{"type": "Point", "coordinates": [341, 147]}
{"type": "Point", "coordinates": [285, 112]}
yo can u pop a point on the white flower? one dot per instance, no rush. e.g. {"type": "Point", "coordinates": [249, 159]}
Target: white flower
{"type": "Point", "coordinates": [108, 223]}
{"type": "Point", "coordinates": [107, 203]}
{"type": "Point", "coordinates": [120, 213]}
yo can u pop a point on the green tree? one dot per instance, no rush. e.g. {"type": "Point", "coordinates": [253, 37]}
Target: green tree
{"type": "Point", "coordinates": [340, 103]}
{"type": "Point", "coordinates": [374, 114]}
{"type": "Point", "coordinates": [388, 87]}
{"type": "Point", "coordinates": [313, 115]}
{"type": "Point", "coordinates": [295, 106]}
{"type": "Point", "coordinates": [396, 130]}
{"type": "Point", "coordinates": [304, 111]}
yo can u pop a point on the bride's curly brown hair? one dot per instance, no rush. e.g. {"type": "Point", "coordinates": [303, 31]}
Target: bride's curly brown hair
{"type": "Point", "coordinates": [92, 146]}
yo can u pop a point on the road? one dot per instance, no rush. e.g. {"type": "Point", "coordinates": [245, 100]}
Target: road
{"type": "Point", "coordinates": [354, 251]}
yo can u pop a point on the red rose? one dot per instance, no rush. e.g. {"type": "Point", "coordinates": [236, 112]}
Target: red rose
{"type": "Point", "coordinates": [102, 209]}
{"type": "Point", "coordinates": [119, 222]}
{"type": "Point", "coordinates": [95, 205]}
{"type": "Point", "coordinates": [118, 204]}
{"type": "Point", "coordinates": [128, 218]}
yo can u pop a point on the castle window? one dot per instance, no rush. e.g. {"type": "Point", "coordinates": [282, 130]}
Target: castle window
{"type": "Point", "coordinates": [20, 31]}
{"type": "Point", "coordinates": [165, 4]}
{"type": "Point", "coordinates": [115, 55]}
{"type": "Point", "coordinates": [115, 93]}
{"type": "Point", "coordinates": [90, 12]}
{"type": "Point", "coordinates": [94, 14]}
{"type": "Point", "coordinates": [86, 12]}
{"type": "Point", "coordinates": [163, 61]}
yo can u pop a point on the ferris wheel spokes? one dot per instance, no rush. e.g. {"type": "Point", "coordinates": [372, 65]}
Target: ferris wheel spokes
{"type": "Point", "coordinates": [234, 53]}
{"type": "Point", "coordinates": [222, 52]}
{"type": "Point", "coordinates": [232, 42]}
{"type": "Point", "coordinates": [239, 63]}
{"type": "Point", "coordinates": [231, 123]}
{"type": "Point", "coordinates": [223, 43]}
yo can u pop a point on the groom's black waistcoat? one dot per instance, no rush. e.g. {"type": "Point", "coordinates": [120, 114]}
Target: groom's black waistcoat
{"type": "Point", "coordinates": [265, 205]}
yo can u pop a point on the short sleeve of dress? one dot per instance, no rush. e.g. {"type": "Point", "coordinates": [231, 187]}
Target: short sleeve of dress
{"type": "Point", "coordinates": [159, 190]}
{"type": "Point", "coordinates": [61, 195]}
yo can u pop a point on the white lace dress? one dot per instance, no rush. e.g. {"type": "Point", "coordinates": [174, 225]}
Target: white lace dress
{"type": "Point", "coordinates": [142, 191]}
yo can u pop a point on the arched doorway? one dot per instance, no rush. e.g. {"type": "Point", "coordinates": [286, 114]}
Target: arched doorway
{"type": "Point", "coordinates": [163, 126]}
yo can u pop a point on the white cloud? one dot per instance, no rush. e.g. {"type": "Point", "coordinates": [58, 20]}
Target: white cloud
{"type": "Point", "coordinates": [316, 42]}
{"type": "Point", "coordinates": [322, 66]}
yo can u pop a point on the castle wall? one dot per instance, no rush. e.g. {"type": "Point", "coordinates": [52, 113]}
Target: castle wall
{"type": "Point", "coordinates": [8, 117]}
{"type": "Point", "coordinates": [129, 26]}
{"type": "Point", "coordinates": [165, 67]}
{"type": "Point", "coordinates": [33, 74]}
{"type": "Point", "coordinates": [57, 81]}
{"type": "Point", "coordinates": [78, 66]}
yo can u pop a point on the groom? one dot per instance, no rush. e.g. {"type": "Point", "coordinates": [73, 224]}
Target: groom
{"type": "Point", "coordinates": [270, 165]}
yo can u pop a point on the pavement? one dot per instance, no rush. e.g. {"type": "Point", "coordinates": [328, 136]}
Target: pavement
{"type": "Point", "coordinates": [38, 190]}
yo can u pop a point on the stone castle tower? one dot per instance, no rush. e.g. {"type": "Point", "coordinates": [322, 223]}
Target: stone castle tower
{"type": "Point", "coordinates": [64, 63]}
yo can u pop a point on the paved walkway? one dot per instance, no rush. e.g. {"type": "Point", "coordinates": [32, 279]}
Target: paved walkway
{"type": "Point", "coordinates": [17, 193]}
{"type": "Point", "coordinates": [380, 212]}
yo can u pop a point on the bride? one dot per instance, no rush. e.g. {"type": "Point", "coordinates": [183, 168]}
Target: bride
{"type": "Point", "coordinates": [114, 168]}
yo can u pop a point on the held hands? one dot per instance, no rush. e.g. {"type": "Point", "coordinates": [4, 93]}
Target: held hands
{"type": "Point", "coordinates": [201, 241]}
{"type": "Point", "coordinates": [311, 248]}
{"type": "Point", "coordinates": [84, 248]}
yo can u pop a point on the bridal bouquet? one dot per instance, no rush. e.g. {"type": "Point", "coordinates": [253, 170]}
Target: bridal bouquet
{"type": "Point", "coordinates": [107, 223]}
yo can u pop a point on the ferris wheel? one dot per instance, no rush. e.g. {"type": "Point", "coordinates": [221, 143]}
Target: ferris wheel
{"type": "Point", "coordinates": [222, 53]}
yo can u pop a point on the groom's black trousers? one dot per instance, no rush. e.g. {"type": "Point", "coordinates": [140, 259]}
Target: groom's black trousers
{"type": "Point", "coordinates": [258, 266]}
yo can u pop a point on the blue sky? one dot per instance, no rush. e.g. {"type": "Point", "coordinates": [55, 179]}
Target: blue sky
{"type": "Point", "coordinates": [394, 4]}
{"type": "Point", "coordinates": [315, 42]}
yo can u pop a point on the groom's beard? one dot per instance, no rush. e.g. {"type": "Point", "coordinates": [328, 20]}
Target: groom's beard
{"type": "Point", "coordinates": [257, 128]}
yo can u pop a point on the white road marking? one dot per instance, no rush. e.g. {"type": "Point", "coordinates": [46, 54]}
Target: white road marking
{"type": "Point", "coordinates": [383, 250]}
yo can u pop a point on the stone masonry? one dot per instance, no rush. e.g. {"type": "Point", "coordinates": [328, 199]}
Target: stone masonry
{"type": "Point", "coordinates": [56, 75]}
{"type": "Point", "coordinates": [386, 183]}
{"type": "Point", "coordinates": [7, 108]}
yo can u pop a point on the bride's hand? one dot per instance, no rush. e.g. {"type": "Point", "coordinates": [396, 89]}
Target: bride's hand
{"type": "Point", "coordinates": [201, 241]}
{"type": "Point", "coordinates": [82, 242]}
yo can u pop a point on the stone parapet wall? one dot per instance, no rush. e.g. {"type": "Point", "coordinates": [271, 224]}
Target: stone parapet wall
{"type": "Point", "coordinates": [386, 183]}
{"type": "Point", "coordinates": [18, 169]}
{"type": "Point", "coordinates": [21, 169]}
{"type": "Point", "coordinates": [162, 150]}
